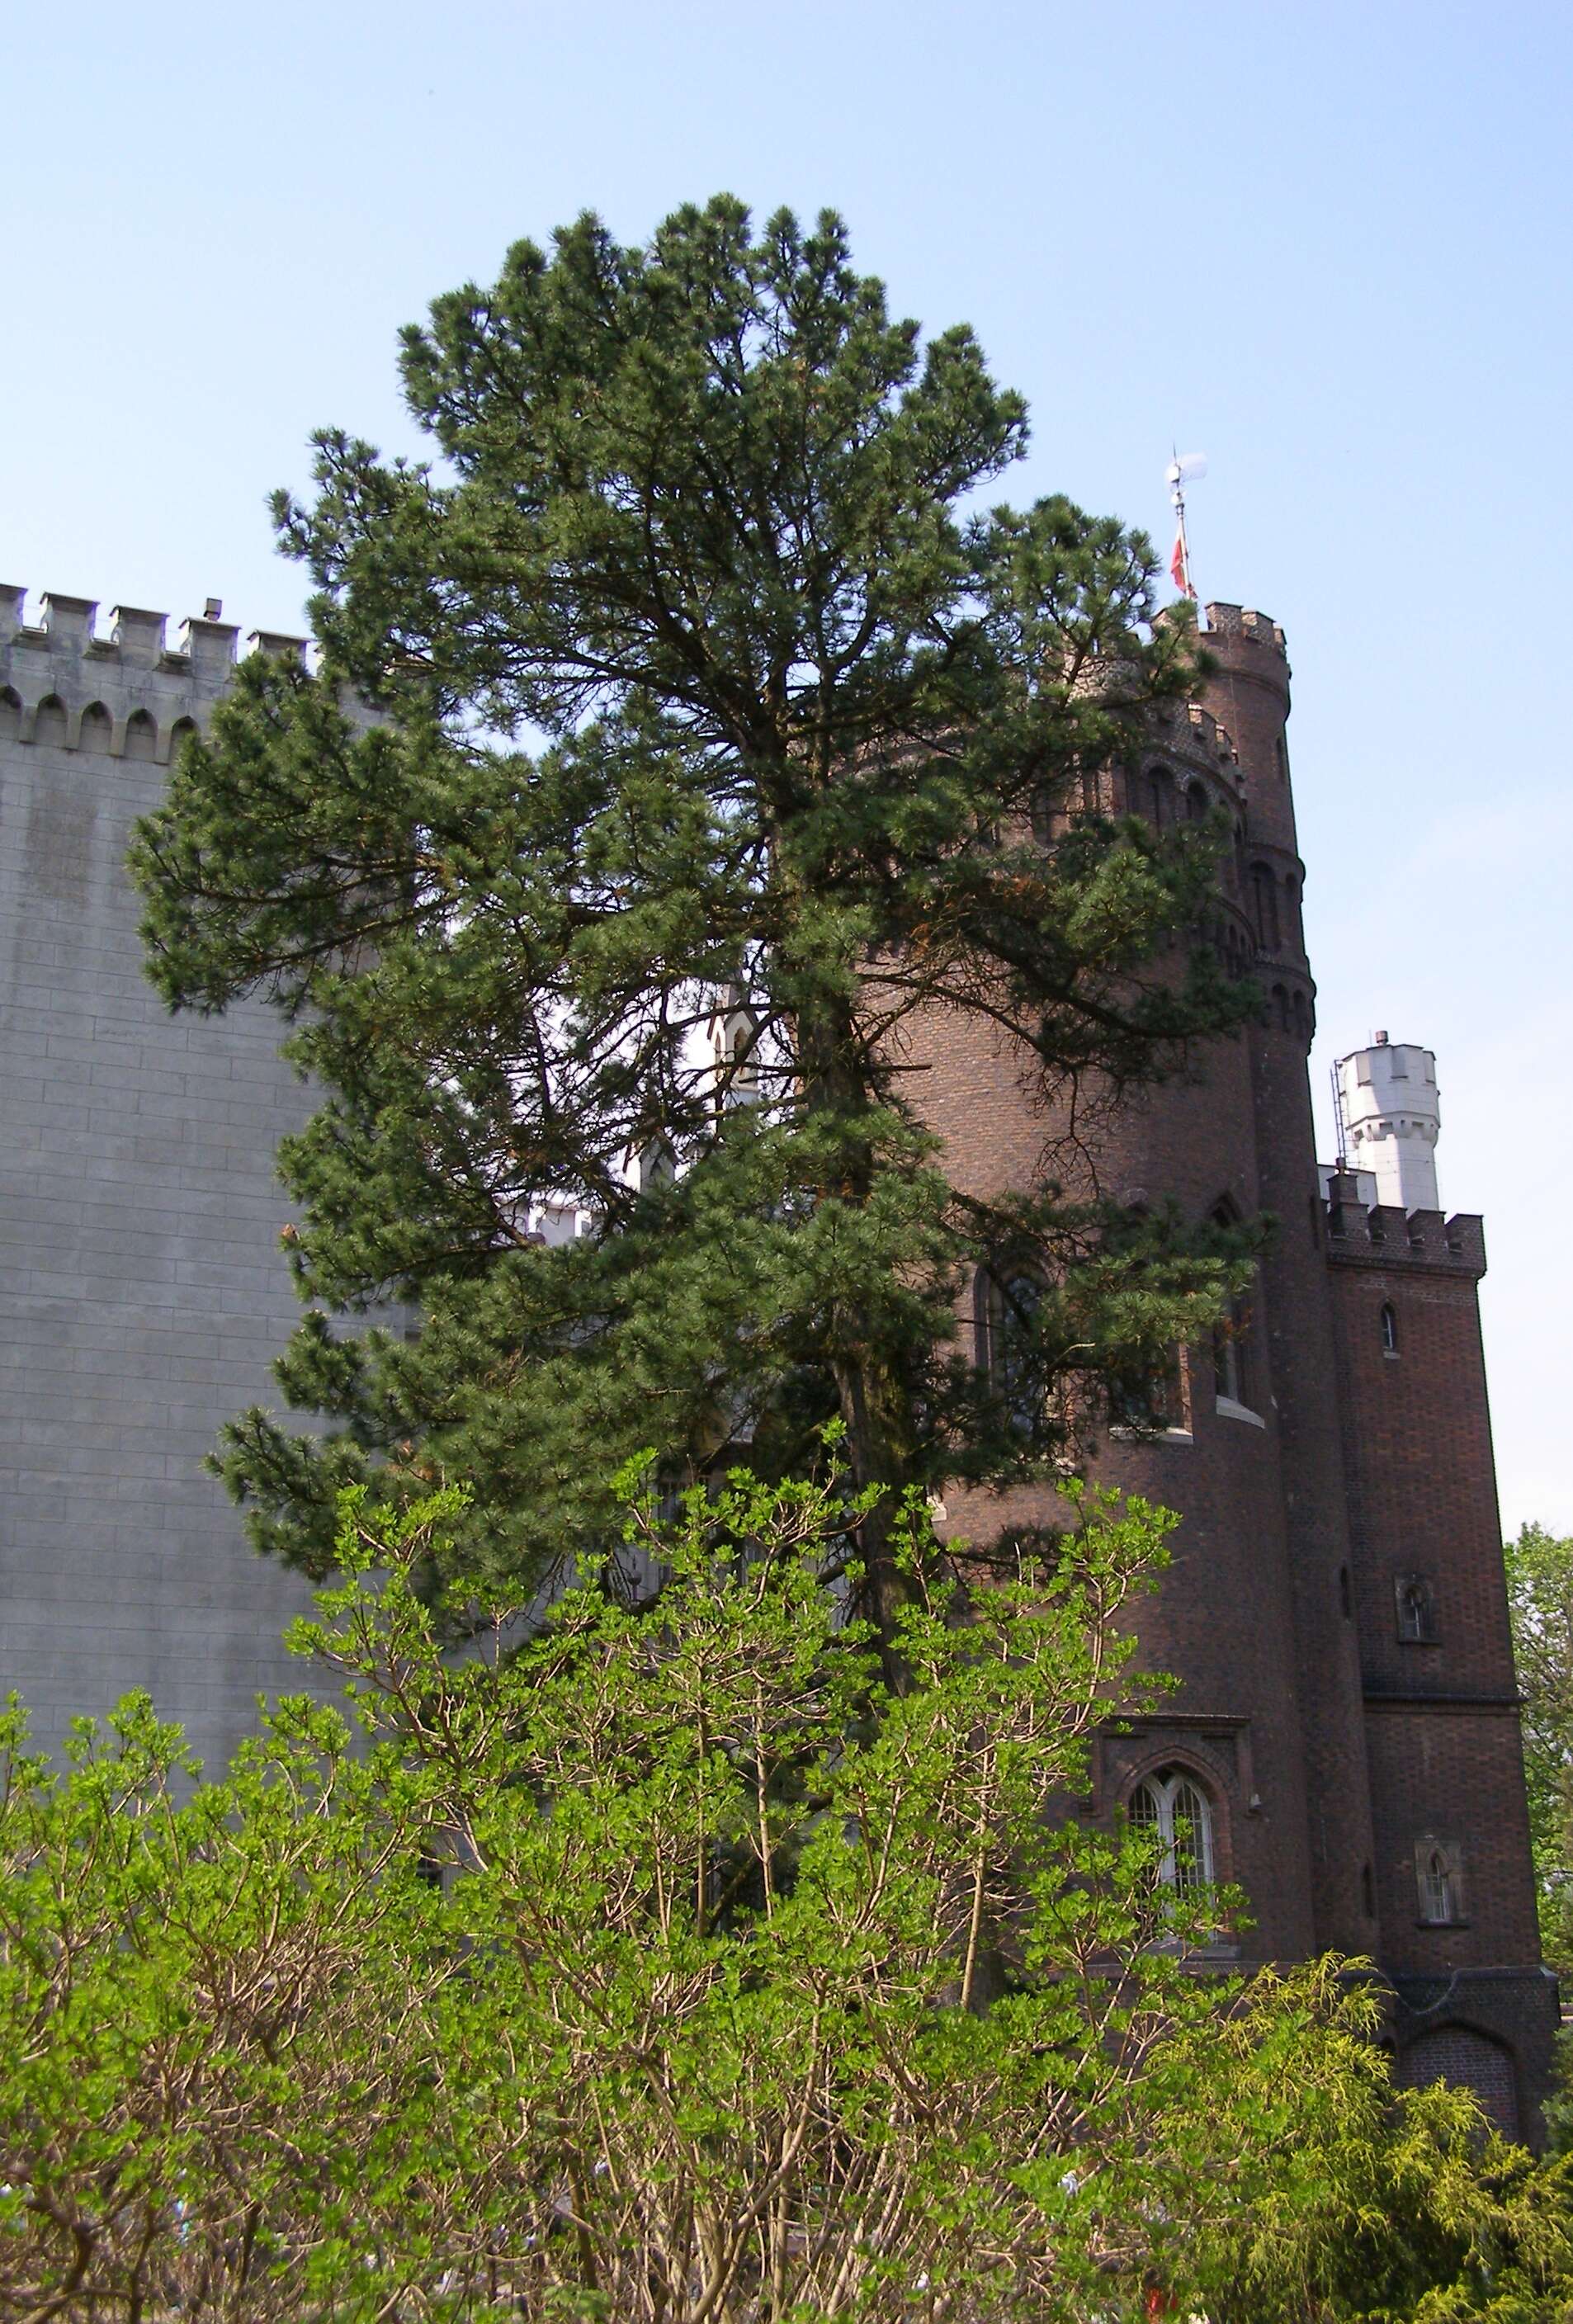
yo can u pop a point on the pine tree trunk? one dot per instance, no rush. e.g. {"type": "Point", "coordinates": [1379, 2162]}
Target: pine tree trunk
{"type": "Point", "coordinates": [879, 1451]}
{"type": "Point", "coordinates": [871, 1391]}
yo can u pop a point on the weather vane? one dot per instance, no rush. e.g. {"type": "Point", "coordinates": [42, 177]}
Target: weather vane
{"type": "Point", "coordinates": [1182, 469]}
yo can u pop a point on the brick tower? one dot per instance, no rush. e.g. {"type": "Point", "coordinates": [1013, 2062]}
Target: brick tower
{"type": "Point", "coordinates": [1453, 1888]}
{"type": "Point", "coordinates": [1366, 1793]}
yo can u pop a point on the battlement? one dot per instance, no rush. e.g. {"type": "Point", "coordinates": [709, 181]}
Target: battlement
{"type": "Point", "coordinates": [1213, 738]}
{"type": "Point", "coordinates": [128, 694]}
{"type": "Point", "coordinates": [1383, 1235]}
{"type": "Point", "coordinates": [1192, 738]}
{"type": "Point", "coordinates": [1241, 622]}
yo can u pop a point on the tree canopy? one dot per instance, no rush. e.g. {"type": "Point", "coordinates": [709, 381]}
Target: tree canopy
{"type": "Point", "coordinates": [706, 693]}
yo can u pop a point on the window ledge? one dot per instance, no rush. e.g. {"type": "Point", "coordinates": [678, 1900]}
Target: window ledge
{"type": "Point", "coordinates": [1124, 1434]}
{"type": "Point", "coordinates": [1227, 1409]}
{"type": "Point", "coordinates": [1207, 1952]}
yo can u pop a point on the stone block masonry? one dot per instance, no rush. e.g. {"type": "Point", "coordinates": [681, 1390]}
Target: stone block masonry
{"type": "Point", "coordinates": [143, 1290]}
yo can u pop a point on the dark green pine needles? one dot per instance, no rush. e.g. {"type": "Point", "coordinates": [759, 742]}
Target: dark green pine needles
{"type": "Point", "coordinates": [705, 681]}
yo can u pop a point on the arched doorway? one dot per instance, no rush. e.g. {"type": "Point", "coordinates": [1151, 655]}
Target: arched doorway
{"type": "Point", "coordinates": [1471, 2061]}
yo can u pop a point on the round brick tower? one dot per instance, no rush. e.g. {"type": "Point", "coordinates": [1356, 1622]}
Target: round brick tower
{"type": "Point", "coordinates": [1254, 1616]}
{"type": "Point", "coordinates": [1250, 693]}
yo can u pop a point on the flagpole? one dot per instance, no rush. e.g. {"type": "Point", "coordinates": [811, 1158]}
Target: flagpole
{"type": "Point", "coordinates": [1178, 497]}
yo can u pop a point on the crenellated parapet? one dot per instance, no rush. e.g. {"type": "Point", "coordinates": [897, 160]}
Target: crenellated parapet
{"type": "Point", "coordinates": [1195, 734]}
{"type": "Point", "coordinates": [127, 694]}
{"type": "Point", "coordinates": [1186, 742]}
{"type": "Point", "coordinates": [1209, 736]}
{"type": "Point", "coordinates": [1382, 1235]}
{"type": "Point", "coordinates": [1249, 687]}
{"type": "Point", "coordinates": [1243, 625]}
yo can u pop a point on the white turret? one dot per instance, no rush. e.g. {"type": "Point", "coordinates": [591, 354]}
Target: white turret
{"type": "Point", "coordinates": [1387, 1094]}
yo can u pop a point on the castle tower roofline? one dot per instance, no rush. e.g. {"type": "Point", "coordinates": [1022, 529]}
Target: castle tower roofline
{"type": "Point", "coordinates": [1243, 622]}
{"type": "Point", "coordinates": [283, 642]}
{"type": "Point", "coordinates": [126, 693]}
{"type": "Point", "coordinates": [68, 621]}
{"type": "Point", "coordinates": [139, 633]}
{"type": "Point", "coordinates": [210, 645]}
{"type": "Point", "coordinates": [1250, 647]}
{"type": "Point", "coordinates": [1247, 689]}
{"type": "Point", "coordinates": [1384, 1235]}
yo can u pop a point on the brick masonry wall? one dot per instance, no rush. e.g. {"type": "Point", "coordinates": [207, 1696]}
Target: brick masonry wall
{"type": "Point", "coordinates": [1250, 693]}
{"type": "Point", "coordinates": [1461, 2054]}
{"type": "Point", "coordinates": [1422, 1497]}
{"type": "Point", "coordinates": [1453, 1774]}
{"type": "Point", "coordinates": [1224, 1619]}
{"type": "Point", "coordinates": [1442, 1713]}
{"type": "Point", "coordinates": [143, 1288]}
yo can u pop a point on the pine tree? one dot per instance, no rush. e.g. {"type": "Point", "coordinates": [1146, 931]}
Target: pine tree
{"type": "Point", "coordinates": [706, 688]}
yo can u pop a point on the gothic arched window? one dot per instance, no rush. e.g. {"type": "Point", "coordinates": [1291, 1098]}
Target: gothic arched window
{"type": "Point", "coordinates": [1265, 898]}
{"type": "Point", "coordinates": [142, 736]}
{"type": "Point", "coordinates": [1389, 1327]}
{"type": "Point", "coordinates": [1438, 1878]}
{"type": "Point", "coordinates": [1008, 1349]}
{"type": "Point", "coordinates": [49, 721]}
{"type": "Point", "coordinates": [1414, 1608]}
{"type": "Point", "coordinates": [735, 1034]}
{"type": "Point", "coordinates": [1150, 1396]}
{"type": "Point", "coordinates": [1296, 925]}
{"type": "Point", "coordinates": [655, 1165]}
{"type": "Point", "coordinates": [1231, 1364]}
{"type": "Point", "coordinates": [97, 729]}
{"type": "Point", "coordinates": [1171, 1805]}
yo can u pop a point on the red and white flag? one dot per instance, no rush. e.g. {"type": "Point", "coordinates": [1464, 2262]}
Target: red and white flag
{"type": "Point", "coordinates": [1179, 573]}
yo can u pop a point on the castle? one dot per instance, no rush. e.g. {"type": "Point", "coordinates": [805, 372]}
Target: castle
{"type": "Point", "coordinates": [143, 1294]}
{"type": "Point", "coordinates": [1345, 1740]}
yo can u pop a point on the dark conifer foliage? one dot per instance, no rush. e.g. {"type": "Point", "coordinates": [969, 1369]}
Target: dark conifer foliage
{"type": "Point", "coordinates": [707, 685]}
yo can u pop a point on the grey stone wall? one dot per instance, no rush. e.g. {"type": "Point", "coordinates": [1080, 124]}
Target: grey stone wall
{"type": "Point", "coordinates": [142, 1292]}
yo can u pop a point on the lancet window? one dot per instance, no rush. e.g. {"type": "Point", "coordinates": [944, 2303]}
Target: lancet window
{"type": "Point", "coordinates": [1173, 1807]}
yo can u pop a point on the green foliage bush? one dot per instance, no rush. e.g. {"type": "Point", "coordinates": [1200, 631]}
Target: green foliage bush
{"type": "Point", "coordinates": [656, 1962]}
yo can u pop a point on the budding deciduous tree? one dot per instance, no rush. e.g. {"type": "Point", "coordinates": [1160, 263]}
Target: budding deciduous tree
{"type": "Point", "coordinates": [1539, 1597]}
{"type": "Point", "coordinates": [622, 1976]}
{"type": "Point", "coordinates": [707, 687]}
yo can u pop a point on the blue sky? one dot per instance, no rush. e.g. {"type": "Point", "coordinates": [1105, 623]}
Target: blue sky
{"type": "Point", "coordinates": [1327, 245]}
